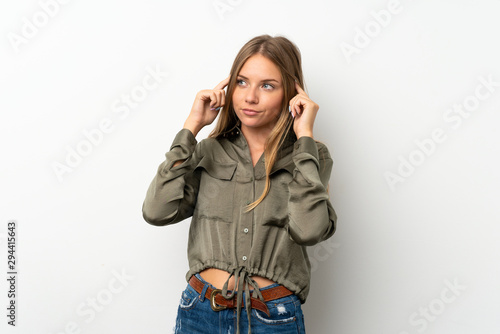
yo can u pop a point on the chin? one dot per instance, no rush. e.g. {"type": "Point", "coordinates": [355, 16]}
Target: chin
{"type": "Point", "coordinates": [250, 124]}
{"type": "Point", "coordinates": [248, 121]}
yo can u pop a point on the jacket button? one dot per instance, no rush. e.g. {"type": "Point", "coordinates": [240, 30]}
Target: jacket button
{"type": "Point", "coordinates": [245, 230]}
{"type": "Point", "coordinates": [244, 258]}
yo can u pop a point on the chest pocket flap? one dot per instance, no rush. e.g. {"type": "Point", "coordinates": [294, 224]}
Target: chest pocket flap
{"type": "Point", "coordinates": [216, 193]}
{"type": "Point", "coordinates": [283, 164]}
{"type": "Point", "coordinates": [218, 170]}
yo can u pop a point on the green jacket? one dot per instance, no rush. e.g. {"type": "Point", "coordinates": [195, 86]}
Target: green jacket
{"type": "Point", "coordinates": [215, 183]}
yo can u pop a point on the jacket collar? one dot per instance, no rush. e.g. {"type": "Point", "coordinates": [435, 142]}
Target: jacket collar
{"type": "Point", "coordinates": [239, 139]}
{"type": "Point", "coordinates": [283, 161]}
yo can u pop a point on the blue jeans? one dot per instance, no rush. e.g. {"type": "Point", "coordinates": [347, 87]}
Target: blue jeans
{"type": "Point", "coordinates": [196, 316]}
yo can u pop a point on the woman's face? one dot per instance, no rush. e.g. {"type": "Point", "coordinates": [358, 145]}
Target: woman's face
{"type": "Point", "coordinates": [258, 94]}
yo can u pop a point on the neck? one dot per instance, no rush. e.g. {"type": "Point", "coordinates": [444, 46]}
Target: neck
{"type": "Point", "coordinates": [256, 138]}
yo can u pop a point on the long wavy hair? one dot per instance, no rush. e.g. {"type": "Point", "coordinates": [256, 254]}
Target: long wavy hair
{"type": "Point", "coordinates": [286, 56]}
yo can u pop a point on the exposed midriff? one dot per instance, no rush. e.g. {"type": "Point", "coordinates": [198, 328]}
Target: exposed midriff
{"type": "Point", "coordinates": [218, 277]}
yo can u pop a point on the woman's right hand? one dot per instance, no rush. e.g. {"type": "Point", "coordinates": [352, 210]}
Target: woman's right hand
{"type": "Point", "coordinates": [204, 110]}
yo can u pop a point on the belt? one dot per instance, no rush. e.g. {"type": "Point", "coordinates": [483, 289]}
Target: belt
{"type": "Point", "coordinates": [219, 303]}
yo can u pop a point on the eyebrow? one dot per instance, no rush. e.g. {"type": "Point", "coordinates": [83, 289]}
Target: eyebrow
{"type": "Point", "coordinates": [244, 77]}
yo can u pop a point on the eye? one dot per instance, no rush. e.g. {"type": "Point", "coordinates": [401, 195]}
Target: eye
{"type": "Point", "coordinates": [240, 82]}
{"type": "Point", "coordinates": [267, 86]}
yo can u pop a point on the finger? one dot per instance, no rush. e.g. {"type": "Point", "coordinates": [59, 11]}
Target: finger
{"type": "Point", "coordinates": [204, 95]}
{"type": "Point", "coordinates": [299, 99]}
{"type": "Point", "coordinates": [292, 103]}
{"type": "Point", "coordinates": [299, 89]}
{"type": "Point", "coordinates": [219, 100]}
{"type": "Point", "coordinates": [223, 98]}
{"type": "Point", "coordinates": [223, 83]}
{"type": "Point", "coordinates": [290, 110]}
{"type": "Point", "coordinates": [213, 99]}
{"type": "Point", "coordinates": [293, 106]}
{"type": "Point", "coordinates": [297, 110]}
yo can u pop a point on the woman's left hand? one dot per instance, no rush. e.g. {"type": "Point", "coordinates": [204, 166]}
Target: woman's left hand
{"type": "Point", "coordinates": [304, 111]}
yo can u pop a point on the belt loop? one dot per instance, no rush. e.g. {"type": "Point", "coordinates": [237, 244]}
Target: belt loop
{"type": "Point", "coordinates": [203, 292]}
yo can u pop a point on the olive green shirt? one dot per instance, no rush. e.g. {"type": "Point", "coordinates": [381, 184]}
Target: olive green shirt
{"type": "Point", "coordinates": [216, 182]}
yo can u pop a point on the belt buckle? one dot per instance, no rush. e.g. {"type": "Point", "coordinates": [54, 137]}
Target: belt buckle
{"type": "Point", "coordinates": [213, 304]}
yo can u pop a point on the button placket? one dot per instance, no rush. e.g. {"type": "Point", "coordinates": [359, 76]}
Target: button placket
{"type": "Point", "coordinates": [246, 218]}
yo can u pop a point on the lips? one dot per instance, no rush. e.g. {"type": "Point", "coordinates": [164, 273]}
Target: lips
{"type": "Point", "coordinates": [250, 112]}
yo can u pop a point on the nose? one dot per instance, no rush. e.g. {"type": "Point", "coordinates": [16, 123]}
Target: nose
{"type": "Point", "coordinates": [252, 95]}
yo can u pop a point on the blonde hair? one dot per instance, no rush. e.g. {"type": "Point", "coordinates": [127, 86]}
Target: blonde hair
{"type": "Point", "coordinates": [286, 56]}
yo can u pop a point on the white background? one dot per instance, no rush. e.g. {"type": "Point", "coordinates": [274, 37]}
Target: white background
{"type": "Point", "coordinates": [397, 250]}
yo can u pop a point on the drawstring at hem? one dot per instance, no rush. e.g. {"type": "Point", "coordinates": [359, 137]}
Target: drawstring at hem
{"type": "Point", "coordinates": [241, 275]}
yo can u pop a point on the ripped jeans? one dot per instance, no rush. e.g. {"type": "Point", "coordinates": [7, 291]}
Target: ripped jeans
{"type": "Point", "coordinates": [196, 316]}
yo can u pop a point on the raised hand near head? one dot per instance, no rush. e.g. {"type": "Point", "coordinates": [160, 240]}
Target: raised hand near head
{"type": "Point", "coordinates": [304, 111]}
{"type": "Point", "coordinates": [206, 107]}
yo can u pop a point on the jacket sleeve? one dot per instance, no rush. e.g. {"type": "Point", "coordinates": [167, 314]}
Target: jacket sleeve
{"type": "Point", "coordinates": [311, 216]}
{"type": "Point", "coordinates": [172, 194]}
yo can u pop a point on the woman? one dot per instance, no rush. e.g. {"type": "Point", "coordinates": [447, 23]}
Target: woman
{"type": "Point", "coordinates": [257, 193]}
